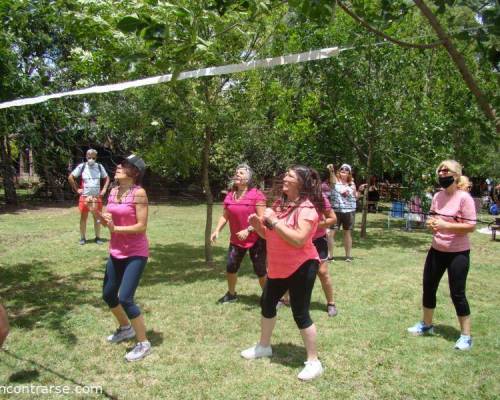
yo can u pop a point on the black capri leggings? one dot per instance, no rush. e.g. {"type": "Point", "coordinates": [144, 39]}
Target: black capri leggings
{"type": "Point", "coordinates": [121, 281]}
{"type": "Point", "coordinates": [457, 265]}
{"type": "Point", "coordinates": [300, 284]}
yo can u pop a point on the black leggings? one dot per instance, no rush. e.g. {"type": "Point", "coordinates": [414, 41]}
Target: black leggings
{"type": "Point", "coordinates": [300, 284]}
{"type": "Point", "coordinates": [457, 265]}
{"type": "Point", "coordinates": [120, 283]}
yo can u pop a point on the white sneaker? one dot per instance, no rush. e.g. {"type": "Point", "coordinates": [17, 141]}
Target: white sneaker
{"type": "Point", "coordinates": [257, 351]}
{"type": "Point", "coordinates": [312, 370]}
{"type": "Point", "coordinates": [421, 329]}
{"type": "Point", "coordinates": [464, 343]}
{"type": "Point", "coordinates": [121, 334]}
{"type": "Point", "coordinates": [141, 350]}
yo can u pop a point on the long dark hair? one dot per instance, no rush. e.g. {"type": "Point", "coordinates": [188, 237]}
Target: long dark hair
{"type": "Point", "coordinates": [310, 189]}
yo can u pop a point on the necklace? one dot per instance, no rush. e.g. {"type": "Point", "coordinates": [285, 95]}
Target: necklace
{"type": "Point", "coordinates": [237, 195]}
{"type": "Point", "coordinates": [123, 194]}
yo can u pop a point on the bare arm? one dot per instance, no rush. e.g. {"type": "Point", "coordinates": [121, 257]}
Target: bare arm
{"type": "Point", "coordinates": [105, 187]}
{"type": "Point", "coordinates": [222, 221]}
{"type": "Point", "coordinates": [438, 224]}
{"type": "Point", "coordinates": [295, 237]}
{"type": "Point", "coordinates": [72, 182]}
{"type": "Point", "coordinates": [329, 220]}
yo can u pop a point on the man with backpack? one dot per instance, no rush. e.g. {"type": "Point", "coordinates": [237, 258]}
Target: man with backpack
{"type": "Point", "coordinates": [91, 173]}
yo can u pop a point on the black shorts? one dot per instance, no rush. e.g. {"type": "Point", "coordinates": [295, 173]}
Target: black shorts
{"type": "Point", "coordinates": [321, 245]}
{"type": "Point", "coordinates": [257, 252]}
{"type": "Point", "coordinates": [346, 219]}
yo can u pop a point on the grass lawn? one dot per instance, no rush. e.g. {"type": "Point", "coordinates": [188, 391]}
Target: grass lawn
{"type": "Point", "coordinates": [51, 288]}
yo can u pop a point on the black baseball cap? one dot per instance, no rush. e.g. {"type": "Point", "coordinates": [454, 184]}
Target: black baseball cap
{"type": "Point", "coordinates": [137, 162]}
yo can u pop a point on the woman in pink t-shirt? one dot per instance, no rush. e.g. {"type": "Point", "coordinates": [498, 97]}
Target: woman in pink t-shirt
{"type": "Point", "coordinates": [454, 216]}
{"type": "Point", "coordinates": [243, 200]}
{"type": "Point", "coordinates": [126, 217]}
{"type": "Point", "coordinates": [293, 262]}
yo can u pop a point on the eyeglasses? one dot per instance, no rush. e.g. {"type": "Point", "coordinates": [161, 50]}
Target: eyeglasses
{"type": "Point", "coordinates": [443, 170]}
{"type": "Point", "coordinates": [344, 170]}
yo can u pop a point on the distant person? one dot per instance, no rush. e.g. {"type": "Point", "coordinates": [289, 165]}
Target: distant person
{"type": "Point", "coordinates": [452, 218]}
{"type": "Point", "coordinates": [242, 200]}
{"type": "Point", "coordinates": [91, 173]}
{"type": "Point", "coordinates": [293, 262]}
{"type": "Point", "coordinates": [126, 217]}
{"type": "Point", "coordinates": [373, 194]}
{"type": "Point", "coordinates": [4, 325]}
{"type": "Point", "coordinates": [343, 200]}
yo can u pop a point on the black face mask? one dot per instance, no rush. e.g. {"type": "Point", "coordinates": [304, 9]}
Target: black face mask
{"type": "Point", "coordinates": [446, 181]}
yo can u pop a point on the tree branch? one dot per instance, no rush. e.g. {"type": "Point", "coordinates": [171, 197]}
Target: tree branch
{"type": "Point", "coordinates": [382, 34]}
{"type": "Point", "coordinates": [460, 63]}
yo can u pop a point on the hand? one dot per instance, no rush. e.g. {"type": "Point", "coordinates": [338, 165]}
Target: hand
{"type": "Point", "coordinates": [91, 202]}
{"type": "Point", "coordinates": [436, 224]}
{"type": "Point", "coordinates": [214, 236]}
{"type": "Point", "coordinates": [103, 192]}
{"type": "Point", "coordinates": [269, 214]}
{"type": "Point", "coordinates": [254, 220]}
{"type": "Point", "coordinates": [243, 234]}
{"type": "Point", "coordinates": [79, 191]}
{"type": "Point", "coordinates": [330, 167]}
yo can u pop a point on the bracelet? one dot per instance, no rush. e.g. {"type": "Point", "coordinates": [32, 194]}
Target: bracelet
{"type": "Point", "coordinates": [250, 229]}
{"type": "Point", "coordinates": [273, 224]}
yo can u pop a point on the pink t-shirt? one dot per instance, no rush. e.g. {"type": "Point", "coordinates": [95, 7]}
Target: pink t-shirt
{"type": "Point", "coordinates": [238, 212]}
{"type": "Point", "coordinates": [282, 258]}
{"type": "Point", "coordinates": [320, 232]}
{"type": "Point", "coordinates": [459, 204]}
{"type": "Point", "coordinates": [124, 245]}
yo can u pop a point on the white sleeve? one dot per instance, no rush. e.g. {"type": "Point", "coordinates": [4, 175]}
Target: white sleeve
{"type": "Point", "coordinates": [104, 174]}
{"type": "Point", "coordinates": [78, 170]}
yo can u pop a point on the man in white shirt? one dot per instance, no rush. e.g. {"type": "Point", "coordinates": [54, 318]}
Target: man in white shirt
{"type": "Point", "coordinates": [91, 172]}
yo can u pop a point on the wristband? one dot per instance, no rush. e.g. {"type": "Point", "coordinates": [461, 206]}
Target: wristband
{"type": "Point", "coordinates": [250, 229]}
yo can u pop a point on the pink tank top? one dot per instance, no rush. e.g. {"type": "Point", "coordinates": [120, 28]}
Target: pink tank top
{"type": "Point", "coordinates": [124, 245]}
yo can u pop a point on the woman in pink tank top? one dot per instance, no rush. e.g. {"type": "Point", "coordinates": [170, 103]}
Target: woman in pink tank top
{"type": "Point", "coordinates": [293, 262]}
{"type": "Point", "coordinates": [126, 217]}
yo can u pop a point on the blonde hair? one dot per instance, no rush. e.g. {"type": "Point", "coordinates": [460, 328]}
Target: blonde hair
{"type": "Point", "coordinates": [463, 183]}
{"type": "Point", "coordinates": [91, 151]}
{"type": "Point", "coordinates": [452, 165]}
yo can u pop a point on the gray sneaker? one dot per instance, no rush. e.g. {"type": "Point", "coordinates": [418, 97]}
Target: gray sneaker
{"type": "Point", "coordinates": [122, 334]}
{"type": "Point", "coordinates": [82, 241]}
{"type": "Point", "coordinates": [141, 350]}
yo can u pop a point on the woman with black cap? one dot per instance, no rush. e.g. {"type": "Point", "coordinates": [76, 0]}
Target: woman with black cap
{"type": "Point", "coordinates": [126, 219]}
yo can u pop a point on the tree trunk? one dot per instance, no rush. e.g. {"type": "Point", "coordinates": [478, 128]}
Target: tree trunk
{"type": "Point", "coordinates": [459, 61]}
{"type": "Point", "coordinates": [364, 218]}
{"type": "Point", "coordinates": [208, 194]}
{"type": "Point", "coordinates": [7, 171]}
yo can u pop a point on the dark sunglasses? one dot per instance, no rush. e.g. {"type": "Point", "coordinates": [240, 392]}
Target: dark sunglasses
{"type": "Point", "coordinates": [345, 169]}
{"type": "Point", "coordinates": [443, 170]}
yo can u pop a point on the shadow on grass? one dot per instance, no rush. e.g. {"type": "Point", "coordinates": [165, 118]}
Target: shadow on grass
{"type": "Point", "coordinates": [36, 205]}
{"type": "Point", "coordinates": [29, 375]}
{"type": "Point", "coordinates": [447, 332]}
{"type": "Point", "coordinates": [288, 354]}
{"type": "Point", "coordinates": [180, 263]}
{"type": "Point", "coordinates": [38, 297]}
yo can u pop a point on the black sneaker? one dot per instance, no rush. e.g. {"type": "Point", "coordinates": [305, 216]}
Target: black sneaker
{"type": "Point", "coordinates": [228, 298]}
